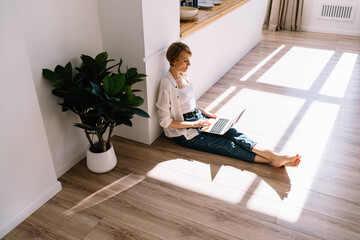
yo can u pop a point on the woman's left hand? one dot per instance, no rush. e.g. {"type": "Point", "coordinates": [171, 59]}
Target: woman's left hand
{"type": "Point", "coordinates": [206, 113]}
{"type": "Point", "coordinates": [209, 115]}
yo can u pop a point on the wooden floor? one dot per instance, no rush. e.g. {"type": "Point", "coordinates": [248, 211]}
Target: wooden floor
{"type": "Point", "coordinates": [302, 96]}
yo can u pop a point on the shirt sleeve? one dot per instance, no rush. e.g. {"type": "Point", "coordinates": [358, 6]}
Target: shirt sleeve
{"type": "Point", "coordinates": [163, 104]}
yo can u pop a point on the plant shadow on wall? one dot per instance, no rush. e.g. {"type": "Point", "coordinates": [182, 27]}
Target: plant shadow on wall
{"type": "Point", "coordinates": [101, 98]}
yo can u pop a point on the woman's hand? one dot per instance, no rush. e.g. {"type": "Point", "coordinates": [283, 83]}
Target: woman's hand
{"type": "Point", "coordinates": [201, 123]}
{"type": "Point", "coordinates": [189, 124]}
{"type": "Point", "coordinates": [206, 113]}
{"type": "Point", "coordinates": [209, 115]}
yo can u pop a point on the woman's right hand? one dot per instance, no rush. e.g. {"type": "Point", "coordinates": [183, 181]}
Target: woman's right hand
{"type": "Point", "coordinates": [201, 123]}
{"type": "Point", "coordinates": [189, 124]}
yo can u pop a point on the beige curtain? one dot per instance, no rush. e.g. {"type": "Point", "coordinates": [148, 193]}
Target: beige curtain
{"type": "Point", "coordinates": [283, 15]}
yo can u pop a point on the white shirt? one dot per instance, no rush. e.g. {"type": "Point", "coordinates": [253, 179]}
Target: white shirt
{"type": "Point", "coordinates": [169, 109]}
{"type": "Point", "coordinates": [187, 99]}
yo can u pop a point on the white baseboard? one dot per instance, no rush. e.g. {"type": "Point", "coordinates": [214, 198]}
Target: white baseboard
{"type": "Point", "coordinates": [66, 167]}
{"type": "Point", "coordinates": [27, 211]}
{"type": "Point", "coordinates": [329, 30]}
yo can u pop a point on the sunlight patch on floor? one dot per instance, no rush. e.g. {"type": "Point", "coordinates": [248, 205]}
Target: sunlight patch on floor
{"type": "Point", "coordinates": [268, 116]}
{"type": "Point", "coordinates": [261, 64]}
{"type": "Point", "coordinates": [220, 99]}
{"type": "Point", "coordinates": [170, 172]}
{"type": "Point", "coordinates": [289, 70]}
{"type": "Point", "coordinates": [309, 139]}
{"type": "Point", "coordinates": [336, 84]}
{"type": "Point", "coordinates": [106, 193]}
{"type": "Point", "coordinates": [228, 184]}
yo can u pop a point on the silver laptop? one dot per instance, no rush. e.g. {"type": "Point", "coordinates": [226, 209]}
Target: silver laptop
{"type": "Point", "coordinates": [221, 125]}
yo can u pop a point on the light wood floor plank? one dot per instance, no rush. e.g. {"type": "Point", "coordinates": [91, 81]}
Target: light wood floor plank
{"type": "Point", "coordinates": [33, 228]}
{"type": "Point", "coordinates": [318, 225]}
{"type": "Point", "coordinates": [108, 229]}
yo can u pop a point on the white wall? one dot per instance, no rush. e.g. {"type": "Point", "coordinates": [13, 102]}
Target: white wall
{"type": "Point", "coordinates": [122, 34]}
{"type": "Point", "coordinates": [312, 23]}
{"type": "Point", "coordinates": [27, 176]}
{"type": "Point", "coordinates": [56, 32]}
{"type": "Point", "coordinates": [220, 45]}
{"type": "Point", "coordinates": [160, 30]}
{"type": "Point", "coordinates": [136, 31]}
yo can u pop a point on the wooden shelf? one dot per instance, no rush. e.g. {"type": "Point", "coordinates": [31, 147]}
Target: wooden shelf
{"type": "Point", "coordinates": [206, 16]}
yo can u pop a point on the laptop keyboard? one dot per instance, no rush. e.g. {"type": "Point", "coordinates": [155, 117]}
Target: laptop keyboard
{"type": "Point", "coordinates": [219, 125]}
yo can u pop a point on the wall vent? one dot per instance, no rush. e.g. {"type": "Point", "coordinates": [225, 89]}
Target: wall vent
{"type": "Point", "coordinates": [337, 11]}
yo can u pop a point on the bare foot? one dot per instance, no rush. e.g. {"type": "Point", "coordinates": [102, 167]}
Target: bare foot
{"type": "Point", "coordinates": [287, 161]}
{"type": "Point", "coordinates": [292, 164]}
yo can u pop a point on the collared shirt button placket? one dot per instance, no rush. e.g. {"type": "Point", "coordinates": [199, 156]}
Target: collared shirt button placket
{"type": "Point", "coordinates": [176, 86]}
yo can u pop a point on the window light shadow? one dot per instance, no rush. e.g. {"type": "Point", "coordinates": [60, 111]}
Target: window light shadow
{"type": "Point", "coordinates": [261, 64]}
{"type": "Point", "coordinates": [336, 84]}
{"type": "Point", "coordinates": [225, 183]}
{"type": "Point", "coordinates": [106, 193]}
{"type": "Point", "coordinates": [299, 68]}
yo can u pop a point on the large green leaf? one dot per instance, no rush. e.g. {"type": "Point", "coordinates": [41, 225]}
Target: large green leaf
{"type": "Point", "coordinates": [123, 120]}
{"type": "Point", "coordinates": [60, 92]}
{"type": "Point", "coordinates": [90, 67]}
{"type": "Point", "coordinates": [114, 84]}
{"type": "Point", "coordinates": [137, 101]}
{"type": "Point", "coordinates": [68, 73]}
{"type": "Point", "coordinates": [128, 92]}
{"type": "Point", "coordinates": [87, 60]}
{"type": "Point", "coordinates": [78, 79]}
{"type": "Point", "coordinates": [50, 75]}
{"type": "Point", "coordinates": [139, 75]}
{"type": "Point", "coordinates": [96, 90]}
{"type": "Point", "coordinates": [59, 83]}
{"type": "Point", "coordinates": [101, 57]}
{"type": "Point", "coordinates": [131, 72]}
{"type": "Point", "coordinates": [134, 77]}
{"type": "Point", "coordinates": [141, 112]}
{"type": "Point", "coordinates": [65, 74]}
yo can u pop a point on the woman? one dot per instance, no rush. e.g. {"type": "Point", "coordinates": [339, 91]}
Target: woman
{"type": "Point", "coordinates": [182, 119]}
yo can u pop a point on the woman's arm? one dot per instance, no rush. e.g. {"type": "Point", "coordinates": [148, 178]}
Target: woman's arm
{"type": "Point", "coordinates": [164, 105]}
{"type": "Point", "coordinates": [195, 124]}
{"type": "Point", "coordinates": [187, 124]}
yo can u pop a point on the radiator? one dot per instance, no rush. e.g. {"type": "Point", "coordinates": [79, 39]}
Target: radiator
{"type": "Point", "coordinates": [339, 11]}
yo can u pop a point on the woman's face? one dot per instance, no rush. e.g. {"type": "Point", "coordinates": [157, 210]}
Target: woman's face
{"type": "Point", "coordinates": [183, 62]}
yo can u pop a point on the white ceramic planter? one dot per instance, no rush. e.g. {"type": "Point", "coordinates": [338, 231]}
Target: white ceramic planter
{"type": "Point", "coordinates": [101, 162]}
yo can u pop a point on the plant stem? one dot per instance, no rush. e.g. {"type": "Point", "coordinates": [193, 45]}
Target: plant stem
{"type": "Point", "coordinates": [89, 139]}
{"type": "Point", "coordinates": [102, 143]}
{"type": "Point", "coordinates": [112, 125]}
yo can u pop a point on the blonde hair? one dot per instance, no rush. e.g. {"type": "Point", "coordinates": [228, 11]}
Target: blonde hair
{"type": "Point", "coordinates": [174, 51]}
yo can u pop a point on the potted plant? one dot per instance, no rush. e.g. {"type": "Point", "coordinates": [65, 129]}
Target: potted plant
{"type": "Point", "coordinates": [100, 97]}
